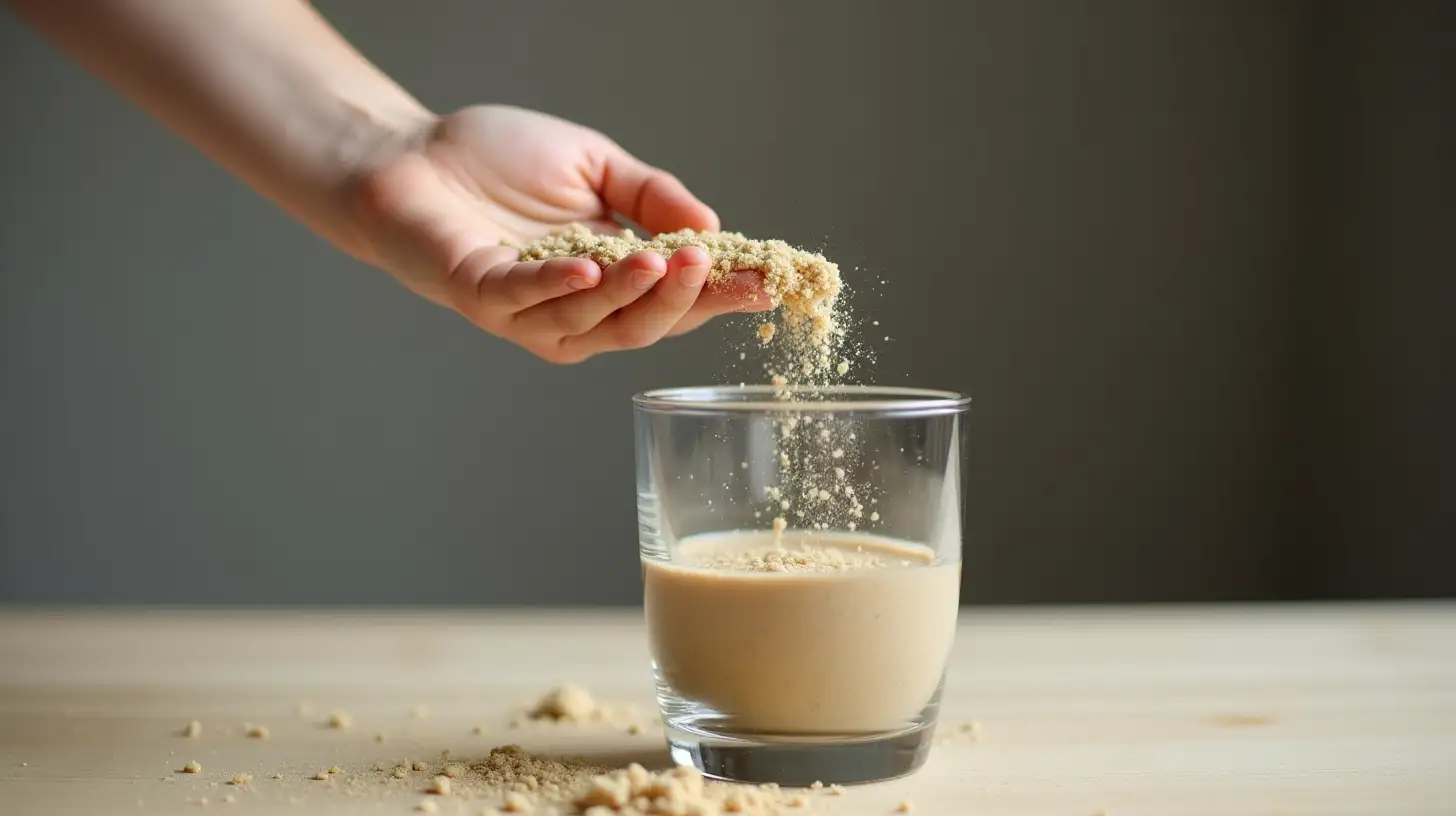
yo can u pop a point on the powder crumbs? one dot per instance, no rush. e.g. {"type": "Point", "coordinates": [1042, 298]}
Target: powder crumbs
{"type": "Point", "coordinates": [513, 780]}
{"type": "Point", "coordinates": [567, 701]}
{"type": "Point", "coordinates": [571, 703]}
{"type": "Point", "coordinates": [799, 556]}
{"type": "Point", "coordinates": [805, 282]}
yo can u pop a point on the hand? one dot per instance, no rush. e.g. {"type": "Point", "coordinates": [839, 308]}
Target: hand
{"type": "Point", "coordinates": [434, 214]}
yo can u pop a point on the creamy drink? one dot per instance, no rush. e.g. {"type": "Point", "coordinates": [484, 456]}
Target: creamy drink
{"type": "Point", "coordinates": [803, 633]}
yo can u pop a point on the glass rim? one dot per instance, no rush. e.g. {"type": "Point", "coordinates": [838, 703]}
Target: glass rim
{"type": "Point", "coordinates": [875, 400]}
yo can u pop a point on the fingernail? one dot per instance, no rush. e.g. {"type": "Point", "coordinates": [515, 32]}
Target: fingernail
{"type": "Point", "coordinates": [578, 282]}
{"type": "Point", "coordinates": [693, 276]}
{"type": "Point", "coordinates": [644, 278]}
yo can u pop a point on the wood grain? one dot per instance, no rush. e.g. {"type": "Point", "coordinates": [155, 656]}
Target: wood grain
{"type": "Point", "coordinates": [1340, 709]}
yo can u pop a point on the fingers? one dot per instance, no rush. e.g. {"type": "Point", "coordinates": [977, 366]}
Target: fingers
{"type": "Point", "coordinates": [652, 197]}
{"type": "Point", "coordinates": [567, 309]}
{"type": "Point", "coordinates": [651, 317]}
{"type": "Point", "coordinates": [514, 286]}
{"type": "Point", "coordinates": [622, 283]}
{"type": "Point", "coordinates": [743, 293]}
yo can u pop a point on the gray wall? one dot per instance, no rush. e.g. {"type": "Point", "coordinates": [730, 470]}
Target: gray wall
{"type": "Point", "coordinates": [1193, 261]}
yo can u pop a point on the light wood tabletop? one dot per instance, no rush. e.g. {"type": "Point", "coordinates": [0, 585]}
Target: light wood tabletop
{"type": "Point", "coordinates": [1317, 709]}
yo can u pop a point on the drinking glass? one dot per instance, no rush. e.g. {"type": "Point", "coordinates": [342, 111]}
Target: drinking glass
{"type": "Point", "coordinates": [801, 556]}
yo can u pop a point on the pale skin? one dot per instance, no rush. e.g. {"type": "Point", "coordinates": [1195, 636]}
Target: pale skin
{"type": "Point", "coordinates": [269, 90]}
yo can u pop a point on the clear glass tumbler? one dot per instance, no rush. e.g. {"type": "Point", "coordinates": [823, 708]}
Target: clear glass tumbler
{"type": "Point", "coordinates": [801, 556]}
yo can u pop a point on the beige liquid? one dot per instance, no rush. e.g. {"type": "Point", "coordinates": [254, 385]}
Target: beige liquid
{"type": "Point", "coordinates": [830, 633]}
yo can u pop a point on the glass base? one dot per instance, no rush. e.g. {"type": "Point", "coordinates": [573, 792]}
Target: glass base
{"type": "Point", "coordinates": [800, 763]}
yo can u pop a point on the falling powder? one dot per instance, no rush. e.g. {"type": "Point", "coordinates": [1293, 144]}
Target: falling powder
{"type": "Point", "coordinates": [804, 342]}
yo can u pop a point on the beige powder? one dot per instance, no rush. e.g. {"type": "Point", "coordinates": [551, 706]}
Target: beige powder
{"type": "Point", "coordinates": [565, 702]}
{"type": "Point", "coordinates": [513, 780]}
{"type": "Point", "coordinates": [802, 555]}
{"type": "Point", "coordinates": [571, 704]}
{"type": "Point", "coordinates": [804, 281]}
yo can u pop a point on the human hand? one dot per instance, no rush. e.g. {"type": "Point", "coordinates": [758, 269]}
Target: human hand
{"type": "Point", "coordinates": [435, 211]}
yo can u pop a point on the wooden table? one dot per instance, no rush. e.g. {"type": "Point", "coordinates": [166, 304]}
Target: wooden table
{"type": "Point", "coordinates": [1185, 710]}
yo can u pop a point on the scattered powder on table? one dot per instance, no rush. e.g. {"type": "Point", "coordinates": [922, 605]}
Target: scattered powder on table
{"type": "Point", "coordinates": [572, 704]}
{"type": "Point", "coordinates": [567, 701]}
{"type": "Point", "coordinates": [242, 779]}
{"type": "Point", "coordinates": [514, 780]}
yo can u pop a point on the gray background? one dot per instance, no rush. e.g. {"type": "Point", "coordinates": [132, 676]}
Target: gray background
{"type": "Point", "coordinates": [1192, 259]}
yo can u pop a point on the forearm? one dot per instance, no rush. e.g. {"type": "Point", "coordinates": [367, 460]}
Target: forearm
{"type": "Point", "coordinates": [267, 88]}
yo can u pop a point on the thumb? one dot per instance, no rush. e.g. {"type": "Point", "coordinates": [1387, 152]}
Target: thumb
{"type": "Point", "coordinates": [423, 234]}
{"type": "Point", "coordinates": [650, 196]}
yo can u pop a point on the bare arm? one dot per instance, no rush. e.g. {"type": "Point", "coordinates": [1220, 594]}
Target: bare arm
{"type": "Point", "coordinates": [267, 88]}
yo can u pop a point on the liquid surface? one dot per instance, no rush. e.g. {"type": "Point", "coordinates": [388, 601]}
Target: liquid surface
{"type": "Point", "coordinates": [824, 633]}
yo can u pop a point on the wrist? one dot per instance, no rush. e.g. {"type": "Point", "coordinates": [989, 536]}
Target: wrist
{"type": "Point", "coordinates": [369, 138]}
